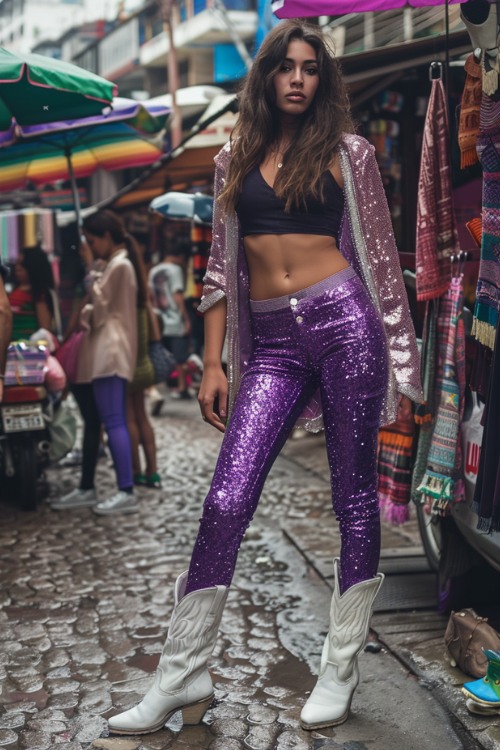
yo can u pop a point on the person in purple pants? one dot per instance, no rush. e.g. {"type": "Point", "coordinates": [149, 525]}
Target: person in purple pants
{"type": "Point", "coordinates": [107, 357]}
{"type": "Point", "coordinates": [304, 282]}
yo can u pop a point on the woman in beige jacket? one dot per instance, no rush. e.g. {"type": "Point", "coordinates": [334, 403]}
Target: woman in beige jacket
{"type": "Point", "coordinates": [108, 355]}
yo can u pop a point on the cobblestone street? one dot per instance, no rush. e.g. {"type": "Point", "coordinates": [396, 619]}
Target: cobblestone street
{"type": "Point", "coordinates": [86, 601]}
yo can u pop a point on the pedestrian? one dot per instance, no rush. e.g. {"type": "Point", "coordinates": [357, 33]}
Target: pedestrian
{"type": "Point", "coordinates": [304, 279]}
{"type": "Point", "coordinates": [31, 299]}
{"type": "Point", "coordinates": [140, 429]}
{"type": "Point", "coordinates": [166, 280]}
{"type": "Point", "coordinates": [5, 325]}
{"type": "Point", "coordinates": [107, 358]}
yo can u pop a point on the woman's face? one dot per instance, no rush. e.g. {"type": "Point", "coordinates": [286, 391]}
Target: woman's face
{"type": "Point", "coordinates": [101, 247]}
{"type": "Point", "coordinates": [20, 272]}
{"type": "Point", "coordinates": [297, 80]}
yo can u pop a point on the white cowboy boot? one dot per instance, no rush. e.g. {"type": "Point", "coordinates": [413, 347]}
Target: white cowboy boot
{"type": "Point", "coordinates": [330, 701]}
{"type": "Point", "coordinates": [182, 682]}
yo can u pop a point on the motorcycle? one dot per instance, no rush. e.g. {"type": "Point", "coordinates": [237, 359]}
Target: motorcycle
{"type": "Point", "coordinates": [24, 443]}
{"type": "Point", "coordinates": [26, 414]}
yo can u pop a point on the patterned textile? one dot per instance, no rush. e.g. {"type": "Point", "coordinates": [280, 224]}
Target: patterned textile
{"type": "Point", "coordinates": [468, 126]}
{"type": "Point", "coordinates": [488, 285]}
{"type": "Point", "coordinates": [443, 482]}
{"type": "Point", "coordinates": [394, 465]}
{"type": "Point", "coordinates": [425, 412]}
{"type": "Point", "coordinates": [437, 237]}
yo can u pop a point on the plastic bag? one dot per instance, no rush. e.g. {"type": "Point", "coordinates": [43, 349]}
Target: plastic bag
{"type": "Point", "coordinates": [62, 432]}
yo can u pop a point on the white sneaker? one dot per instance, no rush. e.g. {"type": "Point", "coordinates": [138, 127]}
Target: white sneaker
{"type": "Point", "coordinates": [121, 502]}
{"type": "Point", "coordinates": [75, 499]}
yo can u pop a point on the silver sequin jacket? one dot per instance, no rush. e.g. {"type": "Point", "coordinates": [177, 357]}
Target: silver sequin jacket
{"type": "Point", "coordinates": [367, 242]}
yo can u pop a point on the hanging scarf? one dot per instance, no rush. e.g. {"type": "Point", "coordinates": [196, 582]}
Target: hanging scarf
{"type": "Point", "coordinates": [442, 482]}
{"type": "Point", "coordinates": [468, 126]}
{"type": "Point", "coordinates": [437, 237]}
{"type": "Point", "coordinates": [394, 466]}
{"type": "Point", "coordinates": [488, 285]}
{"type": "Point", "coordinates": [425, 412]}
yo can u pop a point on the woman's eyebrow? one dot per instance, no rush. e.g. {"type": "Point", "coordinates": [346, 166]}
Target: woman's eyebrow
{"type": "Point", "coordinates": [304, 62]}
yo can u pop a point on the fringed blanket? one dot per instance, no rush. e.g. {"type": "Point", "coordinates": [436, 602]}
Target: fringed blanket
{"type": "Point", "coordinates": [442, 483]}
{"type": "Point", "coordinates": [488, 285]}
{"type": "Point", "coordinates": [437, 237]}
{"type": "Point", "coordinates": [395, 453]}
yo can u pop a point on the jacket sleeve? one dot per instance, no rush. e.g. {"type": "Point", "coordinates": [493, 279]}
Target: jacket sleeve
{"type": "Point", "coordinates": [214, 282]}
{"type": "Point", "coordinates": [376, 227]}
{"type": "Point", "coordinates": [109, 292]}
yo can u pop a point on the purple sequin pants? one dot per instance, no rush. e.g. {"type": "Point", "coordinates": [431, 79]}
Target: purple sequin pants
{"type": "Point", "coordinates": [327, 337]}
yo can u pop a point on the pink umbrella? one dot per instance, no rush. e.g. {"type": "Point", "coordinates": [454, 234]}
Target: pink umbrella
{"type": "Point", "coordinates": [298, 8]}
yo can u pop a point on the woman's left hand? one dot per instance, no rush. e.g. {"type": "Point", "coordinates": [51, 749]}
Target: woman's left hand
{"type": "Point", "coordinates": [405, 408]}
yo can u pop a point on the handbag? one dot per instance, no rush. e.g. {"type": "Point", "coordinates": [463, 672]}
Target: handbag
{"type": "Point", "coordinates": [67, 354]}
{"type": "Point", "coordinates": [62, 431]}
{"type": "Point", "coordinates": [466, 637]}
{"type": "Point", "coordinates": [163, 360]}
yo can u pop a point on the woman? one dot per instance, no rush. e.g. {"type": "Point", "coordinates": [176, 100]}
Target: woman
{"type": "Point", "coordinates": [108, 354]}
{"type": "Point", "coordinates": [140, 429]}
{"type": "Point", "coordinates": [304, 279]}
{"type": "Point", "coordinates": [31, 300]}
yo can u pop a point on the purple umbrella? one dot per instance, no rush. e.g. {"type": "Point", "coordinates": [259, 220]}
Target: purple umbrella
{"type": "Point", "coordinates": [297, 8]}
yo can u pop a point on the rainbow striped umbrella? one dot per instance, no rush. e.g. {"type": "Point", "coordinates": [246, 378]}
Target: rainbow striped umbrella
{"type": "Point", "coordinates": [131, 134]}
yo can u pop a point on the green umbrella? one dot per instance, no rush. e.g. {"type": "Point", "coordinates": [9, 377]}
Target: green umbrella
{"type": "Point", "coordinates": [36, 89]}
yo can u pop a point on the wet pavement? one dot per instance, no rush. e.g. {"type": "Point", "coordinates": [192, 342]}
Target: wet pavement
{"type": "Point", "coordinates": [86, 600]}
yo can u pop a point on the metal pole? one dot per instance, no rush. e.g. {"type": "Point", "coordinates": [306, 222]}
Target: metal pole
{"type": "Point", "coordinates": [74, 189]}
{"type": "Point", "coordinates": [167, 7]}
{"type": "Point", "coordinates": [220, 9]}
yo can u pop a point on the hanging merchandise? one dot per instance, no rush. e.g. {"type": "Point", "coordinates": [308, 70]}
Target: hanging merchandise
{"type": "Point", "coordinates": [394, 466]}
{"type": "Point", "coordinates": [487, 494]}
{"type": "Point", "coordinates": [437, 238]}
{"type": "Point", "coordinates": [468, 126]}
{"type": "Point", "coordinates": [488, 286]}
{"type": "Point", "coordinates": [481, 21]}
{"type": "Point", "coordinates": [26, 227]}
{"type": "Point", "coordinates": [425, 411]}
{"type": "Point", "coordinates": [442, 483]}
{"type": "Point", "coordinates": [472, 436]}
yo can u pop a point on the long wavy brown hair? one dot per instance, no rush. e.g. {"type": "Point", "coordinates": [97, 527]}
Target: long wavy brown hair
{"type": "Point", "coordinates": [312, 148]}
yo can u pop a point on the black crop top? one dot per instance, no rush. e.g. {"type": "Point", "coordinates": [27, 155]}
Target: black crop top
{"type": "Point", "coordinates": [261, 212]}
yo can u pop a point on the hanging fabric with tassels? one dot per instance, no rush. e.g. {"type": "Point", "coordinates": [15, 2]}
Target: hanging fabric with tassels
{"type": "Point", "coordinates": [436, 232]}
{"type": "Point", "coordinates": [443, 483]}
{"type": "Point", "coordinates": [394, 467]}
{"type": "Point", "coordinates": [468, 124]}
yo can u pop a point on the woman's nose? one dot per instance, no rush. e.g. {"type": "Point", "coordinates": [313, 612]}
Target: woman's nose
{"type": "Point", "coordinates": [297, 77]}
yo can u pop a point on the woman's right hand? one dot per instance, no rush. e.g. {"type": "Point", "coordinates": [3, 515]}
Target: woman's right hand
{"type": "Point", "coordinates": [212, 396]}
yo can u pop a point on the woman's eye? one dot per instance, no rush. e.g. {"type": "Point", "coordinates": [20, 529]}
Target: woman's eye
{"type": "Point", "coordinates": [285, 67]}
{"type": "Point", "coordinates": [312, 71]}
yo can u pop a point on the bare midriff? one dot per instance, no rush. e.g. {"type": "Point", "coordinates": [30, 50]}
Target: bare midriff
{"type": "Point", "coordinates": [280, 264]}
